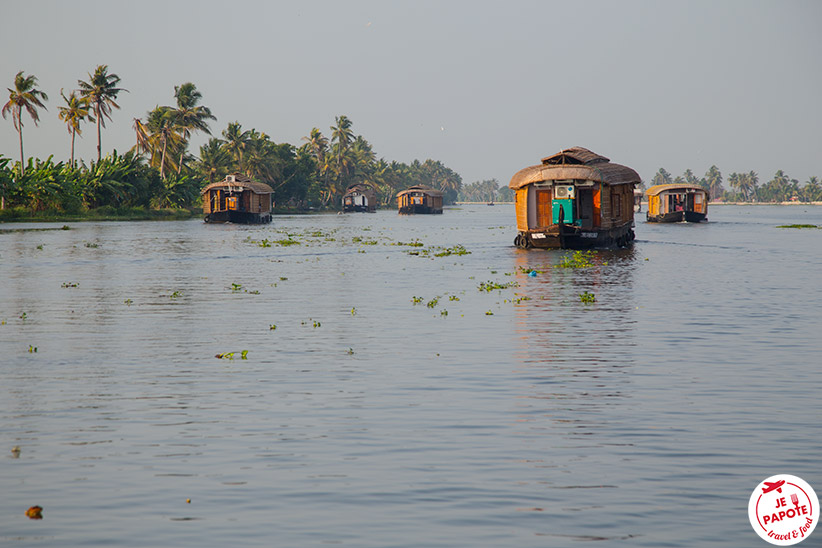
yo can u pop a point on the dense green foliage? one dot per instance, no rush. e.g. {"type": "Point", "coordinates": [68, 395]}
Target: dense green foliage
{"type": "Point", "coordinates": [161, 172]}
{"type": "Point", "coordinates": [745, 187]}
{"type": "Point", "coordinates": [486, 191]}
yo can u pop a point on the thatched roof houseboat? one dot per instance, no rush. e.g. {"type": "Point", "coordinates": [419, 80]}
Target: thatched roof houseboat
{"type": "Point", "coordinates": [574, 199]}
{"type": "Point", "coordinates": [675, 202]}
{"type": "Point", "coordinates": [237, 199]}
{"type": "Point", "coordinates": [360, 197]}
{"type": "Point", "coordinates": [419, 199]}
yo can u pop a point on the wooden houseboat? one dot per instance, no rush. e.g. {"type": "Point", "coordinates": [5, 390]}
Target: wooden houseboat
{"type": "Point", "coordinates": [574, 199]}
{"type": "Point", "coordinates": [675, 203]}
{"type": "Point", "coordinates": [237, 199]}
{"type": "Point", "coordinates": [420, 199]}
{"type": "Point", "coordinates": [360, 197]}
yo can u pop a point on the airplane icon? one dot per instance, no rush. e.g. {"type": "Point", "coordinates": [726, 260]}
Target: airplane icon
{"type": "Point", "coordinates": [773, 485]}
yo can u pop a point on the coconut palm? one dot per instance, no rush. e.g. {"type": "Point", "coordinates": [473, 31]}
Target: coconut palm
{"type": "Point", "coordinates": [189, 115]}
{"type": "Point", "coordinates": [215, 160]}
{"type": "Point", "coordinates": [236, 141]}
{"type": "Point", "coordinates": [101, 91]}
{"type": "Point", "coordinates": [714, 179]}
{"type": "Point", "coordinates": [75, 112]}
{"type": "Point", "coordinates": [25, 95]}
{"type": "Point", "coordinates": [662, 177]}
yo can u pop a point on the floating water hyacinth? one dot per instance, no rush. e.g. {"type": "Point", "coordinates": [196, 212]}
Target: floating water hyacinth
{"type": "Point", "coordinates": [587, 297]}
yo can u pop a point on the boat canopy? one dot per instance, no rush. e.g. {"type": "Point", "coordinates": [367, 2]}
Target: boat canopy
{"type": "Point", "coordinates": [420, 188]}
{"type": "Point", "coordinates": [239, 183]}
{"type": "Point", "coordinates": [656, 190]}
{"type": "Point", "coordinates": [575, 163]}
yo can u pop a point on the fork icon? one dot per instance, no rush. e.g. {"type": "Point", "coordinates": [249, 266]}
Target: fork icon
{"type": "Point", "coordinates": [795, 501]}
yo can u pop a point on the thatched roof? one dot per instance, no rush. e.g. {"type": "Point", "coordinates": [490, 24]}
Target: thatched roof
{"type": "Point", "coordinates": [421, 188]}
{"type": "Point", "coordinates": [575, 163]}
{"type": "Point", "coordinates": [238, 182]}
{"type": "Point", "coordinates": [360, 188]}
{"type": "Point", "coordinates": [657, 189]}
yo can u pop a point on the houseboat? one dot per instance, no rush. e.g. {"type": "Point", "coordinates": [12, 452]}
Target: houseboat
{"type": "Point", "coordinates": [360, 197]}
{"type": "Point", "coordinates": [574, 199]}
{"type": "Point", "coordinates": [420, 199]}
{"type": "Point", "coordinates": [237, 199]}
{"type": "Point", "coordinates": [675, 203]}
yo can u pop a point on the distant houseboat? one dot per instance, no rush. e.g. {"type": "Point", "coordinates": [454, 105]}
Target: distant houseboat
{"type": "Point", "coordinates": [360, 197]}
{"type": "Point", "coordinates": [638, 195]}
{"type": "Point", "coordinates": [420, 199]}
{"type": "Point", "coordinates": [237, 199]}
{"type": "Point", "coordinates": [675, 203]}
{"type": "Point", "coordinates": [574, 199]}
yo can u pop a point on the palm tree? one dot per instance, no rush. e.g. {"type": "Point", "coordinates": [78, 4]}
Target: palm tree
{"type": "Point", "coordinates": [101, 91]}
{"type": "Point", "coordinates": [189, 115]}
{"type": "Point", "coordinates": [214, 159]}
{"type": "Point", "coordinates": [24, 95]}
{"type": "Point", "coordinates": [75, 111]}
{"type": "Point", "coordinates": [714, 179]}
{"type": "Point", "coordinates": [662, 177]}
{"type": "Point", "coordinates": [236, 141]}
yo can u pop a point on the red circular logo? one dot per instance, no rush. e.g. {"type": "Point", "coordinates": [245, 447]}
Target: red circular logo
{"type": "Point", "coordinates": [783, 510]}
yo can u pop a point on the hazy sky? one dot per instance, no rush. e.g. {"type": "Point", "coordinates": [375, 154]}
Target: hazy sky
{"type": "Point", "coordinates": [485, 87]}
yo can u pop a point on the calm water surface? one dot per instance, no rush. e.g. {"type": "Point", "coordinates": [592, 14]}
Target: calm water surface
{"type": "Point", "coordinates": [513, 417]}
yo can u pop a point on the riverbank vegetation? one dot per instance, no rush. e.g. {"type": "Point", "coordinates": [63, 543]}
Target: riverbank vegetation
{"type": "Point", "coordinates": [161, 171]}
{"type": "Point", "coordinates": [746, 187]}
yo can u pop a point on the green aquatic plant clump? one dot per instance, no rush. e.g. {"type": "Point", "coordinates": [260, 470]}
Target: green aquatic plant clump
{"type": "Point", "coordinates": [798, 226]}
{"type": "Point", "coordinates": [579, 259]}
{"type": "Point", "coordinates": [587, 298]}
{"type": "Point", "coordinates": [491, 286]}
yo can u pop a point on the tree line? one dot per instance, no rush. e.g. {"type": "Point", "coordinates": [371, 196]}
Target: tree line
{"type": "Point", "coordinates": [745, 187]}
{"type": "Point", "coordinates": [160, 170]}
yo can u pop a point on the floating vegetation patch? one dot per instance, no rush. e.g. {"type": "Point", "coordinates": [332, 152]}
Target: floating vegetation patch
{"type": "Point", "coordinates": [798, 226]}
{"type": "Point", "coordinates": [528, 270]}
{"type": "Point", "coordinates": [10, 230]}
{"type": "Point", "coordinates": [176, 295]}
{"type": "Point", "coordinates": [491, 286]}
{"type": "Point", "coordinates": [415, 243]}
{"type": "Point", "coordinates": [416, 300]}
{"type": "Point", "coordinates": [32, 349]}
{"type": "Point", "coordinates": [579, 259]}
{"type": "Point", "coordinates": [70, 284]}
{"type": "Point", "coordinates": [92, 245]}
{"type": "Point", "coordinates": [587, 298]}
{"type": "Point", "coordinates": [438, 251]}
{"type": "Point", "coordinates": [128, 302]}
{"type": "Point", "coordinates": [265, 242]}
{"type": "Point", "coordinates": [363, 241]}
{"type": "Point", "coordinates": [433, 302]}
{"type": "Point", "coordinates": [230, 355]}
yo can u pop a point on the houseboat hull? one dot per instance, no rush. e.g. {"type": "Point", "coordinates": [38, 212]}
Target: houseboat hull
{"type": "Point", "coordinates": [419, 209]}
{"type": "Point", "coordinates": [240, 217]}
{"type": "Point", "coordinates": [677, 217]}
{"type": "Point", "coordinates": [574, 237]}
{"type": "Point", "coordinates": [358, 209]}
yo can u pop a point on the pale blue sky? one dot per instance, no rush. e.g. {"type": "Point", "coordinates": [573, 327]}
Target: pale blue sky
{"type": "Point", "coordinates": [485, 87]}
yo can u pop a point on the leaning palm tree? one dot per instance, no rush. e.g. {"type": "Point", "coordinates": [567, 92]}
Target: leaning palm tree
{"type": "Point", "coordinates": [24, 95]}
{"type": "Point", "coordinates": [189, 115]}
{"type": "Point", "coordinates": [75, 112]}
{"type": "Point", "coordinates": [101, 91]}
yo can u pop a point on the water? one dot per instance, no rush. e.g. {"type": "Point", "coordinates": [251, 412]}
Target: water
{"type": "Point", "coordinates": [523, 417]}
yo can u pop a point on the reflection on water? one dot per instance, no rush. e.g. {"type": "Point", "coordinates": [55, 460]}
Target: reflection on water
{"type": "Point", "coordinates": [385, 399]}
